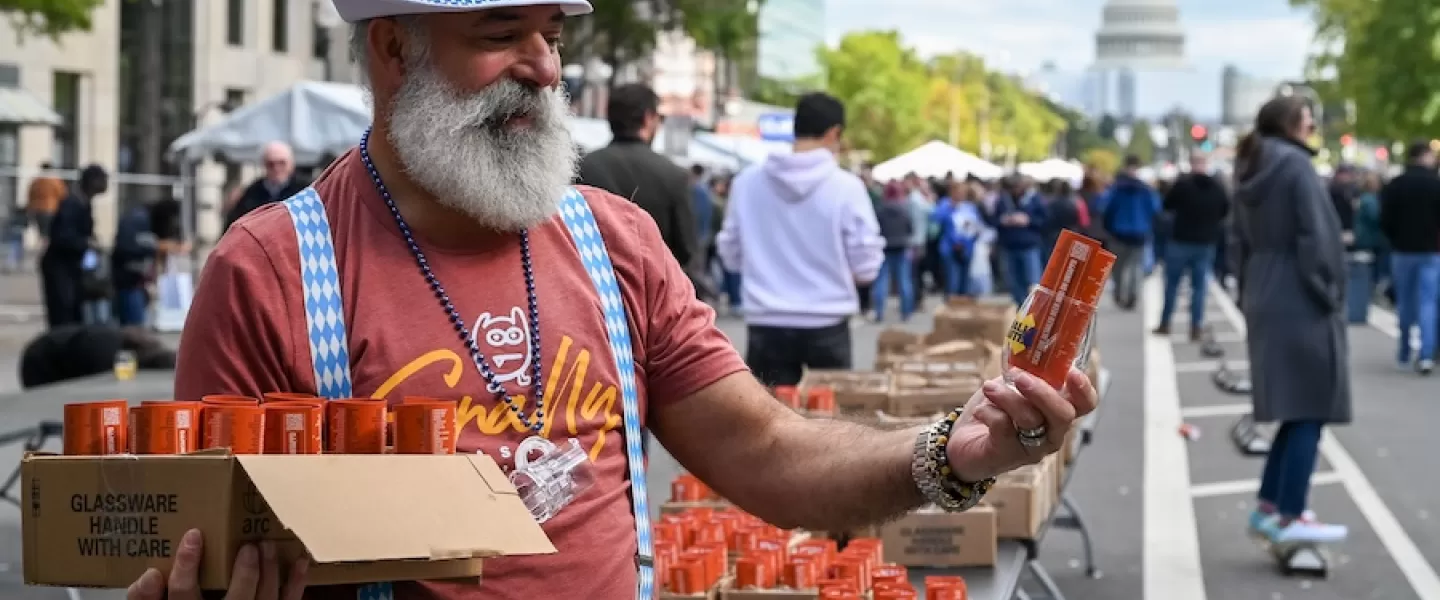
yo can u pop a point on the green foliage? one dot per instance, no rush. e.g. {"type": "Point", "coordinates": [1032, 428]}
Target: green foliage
{"type": "Point", "coordinates": [50, 18]}
{"type": "Point", "coordinates": [776, 92]}
{"type": "Point", "coordinates": [1107, 126]}
{"type": "Point", "coordinates": [1141, 144]}
{"type": "Point", "coordinates": [1103, 160]}
{"type": "Point", "coordinates": [1388, 63]}
{"type": "Point", "coordinates": [896, 101]}
{"type": "Point", "coordinates": [726, 27]}
{"type": "Point", "coordinates": [883, 85]}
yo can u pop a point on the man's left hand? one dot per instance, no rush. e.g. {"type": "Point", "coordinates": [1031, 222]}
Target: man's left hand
{"type": "Point", "coordinates": [986, 441]}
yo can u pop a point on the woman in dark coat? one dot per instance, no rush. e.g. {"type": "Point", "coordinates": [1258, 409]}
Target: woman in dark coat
{"type": "Point", "coordinates": [1293, 300]}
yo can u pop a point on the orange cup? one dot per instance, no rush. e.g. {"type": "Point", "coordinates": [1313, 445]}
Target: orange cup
{"type": "Point", "coordinates": [800, 573]}
{"type": "Point", "coordinates": [318, 425]}
{"type": "Point", "coordinates": [425, 427]}
{"type": "Point", "coordinates": [237, 426]}
{"type": "Point", "coordinates": [788, 395]}
{"type": "Point", "coordinates": [357, 426]}
{"type": "Point", "coordinates": [160, 427]}
{"type": "Point", "coordinates": [820, 398]}
{"type": "Point", "coordinates": [292, 427]}
{"type": "Point", "coordinates": [96, 428]}
{"type": "Point", "coordinates": [753, 573]}
{"type": "Point", "coordinates": [228, 399]}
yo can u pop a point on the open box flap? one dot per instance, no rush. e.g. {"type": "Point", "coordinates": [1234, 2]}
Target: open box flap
{"type": "Point", "coordinates": [349, 508]}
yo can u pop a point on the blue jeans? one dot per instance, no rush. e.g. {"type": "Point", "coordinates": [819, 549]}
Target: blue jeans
{"type": "Point", "coordinates": [131, 305]}
{"type": "Point", "coordinates": [1285, 482]}
{"type": "Point", "coordinates": [731, 281]}
{"type": "Point", "coordinates": [897, 267]}
{"type": "Point", "coordinates": [1022, 268]}
{"type": "Point", "coordinates": [1197, 260]}
{"type": "Point", "coordinates": [957, 273]}
{"type": "Point", "coordinates": [95, 312]}
{"type": "Point", "coordinates": [1417, 299]}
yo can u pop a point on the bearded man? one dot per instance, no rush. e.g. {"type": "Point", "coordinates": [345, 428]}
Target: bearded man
{"type": "Point", "coordinates": [451, 236]}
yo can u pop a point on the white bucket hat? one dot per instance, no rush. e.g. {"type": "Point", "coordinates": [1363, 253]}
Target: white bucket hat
{"type": "Point", "coordinates": [359, 10]}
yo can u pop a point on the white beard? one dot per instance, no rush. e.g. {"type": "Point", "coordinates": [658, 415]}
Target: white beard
{"type": "Point", "coordinates": [456, 146]}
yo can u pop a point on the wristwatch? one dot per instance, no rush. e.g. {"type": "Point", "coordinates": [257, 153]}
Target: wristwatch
{"type": "Point", "coordinates": [930, 467]}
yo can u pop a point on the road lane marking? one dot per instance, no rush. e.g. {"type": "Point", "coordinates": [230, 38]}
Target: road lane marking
{"type": "Point", "coordinates": [1215, 410]}
{"type": "Point", "coordinates": [1250, 486]}
{"type": "Point", "coordinates": [1402, 549]}
{"type": "Point", "coordinates": [1171, 567]}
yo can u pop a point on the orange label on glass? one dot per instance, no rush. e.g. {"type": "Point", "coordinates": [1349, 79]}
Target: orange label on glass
{"type": "Point", "coordinates": [165, 427]}
{"type": "Point", "coordinates": [96, 428]}
{"type": "Point", "coordinates": [425, 427]}
{"type": "Point", "coordinates": [292, 427]}
{"type": "Point", "coordinates": [239, 427]}
{"type": "Point", "coordinates": [1047, 333]}
{"type": "Point", "coordinates": [356, 426]}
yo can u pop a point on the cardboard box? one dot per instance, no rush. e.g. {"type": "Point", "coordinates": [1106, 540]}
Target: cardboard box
{"type": "Point", "coordinates": [940, 388]}
{"type": "Point", "coordinates": [1022, 501]}
{"type": "Point", "coordinates": [784, 594]}
{"type": "Point", "coordinates": [856, 392]}
{"type": "Point", "coordinates": [102, 521]}
{"type": "Point", "coordinates": [893, 340]}
{"type": "Point", "coordinates": [928, 538]}
{"type": "Point", "coordinates": [711, 594]}
{"type": "Point", "coordinates": [971, 321]}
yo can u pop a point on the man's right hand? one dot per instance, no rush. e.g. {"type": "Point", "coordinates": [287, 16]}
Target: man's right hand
{"type": "Point", "coordinates": [256, 575]}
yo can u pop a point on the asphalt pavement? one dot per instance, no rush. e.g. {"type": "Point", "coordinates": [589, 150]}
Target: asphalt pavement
{"type": "Point", "coordinates": [1166, 513]}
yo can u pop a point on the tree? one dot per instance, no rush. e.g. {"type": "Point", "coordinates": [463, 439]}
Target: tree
{"type": "Point", "coordinates": [1102, 160]}
{"type": "Point", "coordinates": [1141, 145]}
{"type": "Point", "coordinates": [1107, 126]}
{"type": "Point", "coordinates": [1379, 54]}
{"type": "Point", "coordinates": [618, 32]}
{"type": "Point", "coordinates": [884, 87]}
{"type": "Point", "coordinates": [50, 18]}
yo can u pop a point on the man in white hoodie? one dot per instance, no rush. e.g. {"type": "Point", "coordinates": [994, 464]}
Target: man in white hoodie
{"type": "Point", "coordinates": [802, 233]}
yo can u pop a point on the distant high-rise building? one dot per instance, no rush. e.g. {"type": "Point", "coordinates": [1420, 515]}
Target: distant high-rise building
{"type": "Point", "coordinates": [1135, 35]}
{"type": "Point", "coordinates": [1242, 95]}
{"type": "Point", "coordinates": [790, 32]}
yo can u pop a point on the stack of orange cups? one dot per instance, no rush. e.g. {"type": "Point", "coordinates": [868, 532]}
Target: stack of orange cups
{"type": "Point", "coordinates": [317, 417]}
{"type": "Point", "coordinates": [357, 426]}
{"type": "Point", "coordinates": [424, 426]}
{"type": "Point", "coordinates": [165, 427]}
{"type": "Point", "coordinates": [96, 428]}
{"type": "Point", "coordinates": [788, 395]}
{"type": "Point", "coordinates": [234, 422]}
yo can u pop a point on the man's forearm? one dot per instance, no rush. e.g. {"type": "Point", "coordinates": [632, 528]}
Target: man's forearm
{"type": "Point", "coordinates": [825, 474]}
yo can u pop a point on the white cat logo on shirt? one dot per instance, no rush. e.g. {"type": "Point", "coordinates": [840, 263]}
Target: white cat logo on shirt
{"type": "Point", "coordinates": [505, 342]}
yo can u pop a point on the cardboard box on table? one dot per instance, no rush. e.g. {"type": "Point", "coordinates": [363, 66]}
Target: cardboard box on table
{"type": "Point", "coordinates": [729, 593]}
{"type": "Point", "coordinates": [859, 393]}
{"type": "Point", "coordinates": [1023, 499]}
{"type": "Point", "coordinates": [714, 593]}
{"type": "Point", "coordinates": [928, 538]}
{"type": "Point", "coordinates": [102, 521]}
{"type": "Point", "coordinates": [675, 508]}
{"type": "Point", "coordinates": [930, 389]}
{"type": "Point", "coordinates": [966, 320]}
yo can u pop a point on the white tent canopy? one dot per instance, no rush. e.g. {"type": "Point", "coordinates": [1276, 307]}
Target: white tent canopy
{"type": "Point", "coordinates": [936, 159]}
{"type": "Point", "coordinates": [1053, 168]}
{"type": "Point", "coordinates": [317, 119]}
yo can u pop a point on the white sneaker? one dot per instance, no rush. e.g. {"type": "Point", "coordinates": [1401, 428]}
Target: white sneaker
{"type": "Point", "coordinates": [1303, 531]}
{"type": "Point", "coordinates": [1425, 367]}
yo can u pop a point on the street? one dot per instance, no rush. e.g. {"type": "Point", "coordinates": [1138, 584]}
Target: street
{"type": "Point", "coordinates": [1167, 514]}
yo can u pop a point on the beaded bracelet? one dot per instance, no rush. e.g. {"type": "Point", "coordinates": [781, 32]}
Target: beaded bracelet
{"type": "Point", "coordinates": [968, 494]}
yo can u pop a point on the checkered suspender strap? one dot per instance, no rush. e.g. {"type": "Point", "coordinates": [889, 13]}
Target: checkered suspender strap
{"type": "Point", "coordinates": [575, 212]}
{"type": "Point", "coordinates": [325, 316]}
{"type": "Point", "coordinates": [324, 312]}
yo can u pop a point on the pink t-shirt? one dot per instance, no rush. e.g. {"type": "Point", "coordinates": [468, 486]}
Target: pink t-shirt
{"type": "Point", "coordinates": [246, 334]}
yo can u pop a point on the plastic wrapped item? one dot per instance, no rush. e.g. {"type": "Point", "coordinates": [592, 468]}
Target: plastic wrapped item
{"type": "Point", "coordinates": [551, 482]}
{"type": "Point", "coordinates": [1054, 328]}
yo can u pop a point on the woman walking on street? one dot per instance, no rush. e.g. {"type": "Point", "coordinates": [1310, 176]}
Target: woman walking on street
{"type": "Point", "coordinates": [897, 227]}
{"type": "Point", "coordinates": [1293, 300]}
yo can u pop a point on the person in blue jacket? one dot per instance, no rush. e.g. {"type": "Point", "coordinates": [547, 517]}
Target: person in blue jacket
{"type": "Point", "coordinates": [1128, 212]}
{"type": "Point", "coordinates": [1020, 234]}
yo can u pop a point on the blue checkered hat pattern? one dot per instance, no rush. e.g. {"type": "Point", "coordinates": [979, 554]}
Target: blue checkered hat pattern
{"type": "Point", "coordinates": [575, 213]}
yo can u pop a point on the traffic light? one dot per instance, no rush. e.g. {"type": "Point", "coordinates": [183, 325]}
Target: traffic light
{"type": "Point", "coordinates": [1198, 133]}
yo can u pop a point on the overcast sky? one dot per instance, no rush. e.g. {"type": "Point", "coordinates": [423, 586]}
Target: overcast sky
{"type": "Point", "coordinates": [1261, 37]}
